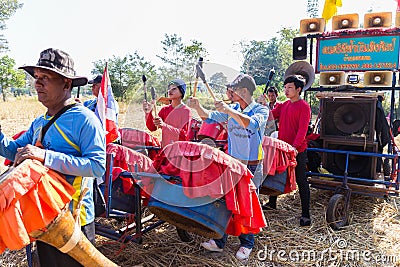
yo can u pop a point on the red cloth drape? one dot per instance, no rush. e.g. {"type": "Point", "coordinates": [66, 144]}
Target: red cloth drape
{"type": "Point", "coordinates": [133, 138]}
{"type": "Point", "coordinates": [125, 159]}
{"type": "Point", "coordinates": [207, 171]}
{"type": "Point", "coordinates": [31, 197]}
{"type": "Point", "coordinates": [279, 156]}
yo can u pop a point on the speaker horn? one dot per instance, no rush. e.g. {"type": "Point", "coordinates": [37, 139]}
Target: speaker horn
{"type": "Point", "coordinates": [347, 21]}
{"type": "Point", "coordinates": [378, 78]}
{"type": "Point", "coordinates": [299, 48]}
{"type": "Point", "coordinates": [313, 25]}
{"type": "Point", "coordinates": [397, 19]}
{"type": "Point", "coordinates": [302, 68]}
{"type": "Point", "coordinates": [335, 78]}
{"type": "Point", "coordinates": [375, 20]}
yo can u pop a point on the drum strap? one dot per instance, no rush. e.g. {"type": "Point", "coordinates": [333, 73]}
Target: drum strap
{"type": "Point", "coordinates": [53, 119]}
{"type": "Point", "coordinates": [76, 235]}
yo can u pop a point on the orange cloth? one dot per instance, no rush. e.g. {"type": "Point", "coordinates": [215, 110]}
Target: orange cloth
{"type": "Point", "coordinates": [132, 138]}
{"type": "Point", "coordinates": [126, 159]}
{"type": "Point", "coordinates": [207, 171]}
{"type": "Point", "coordinates": [279, 156]}
{"type": "Point", "coordinates": [31, 197]}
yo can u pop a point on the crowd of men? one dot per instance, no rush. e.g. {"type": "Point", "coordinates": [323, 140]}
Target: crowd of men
{"type": "Point", "coordinates": [74, 144]}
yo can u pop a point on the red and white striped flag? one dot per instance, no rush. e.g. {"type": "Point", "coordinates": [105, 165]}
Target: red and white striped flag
{"type": "Point", "coordinates": [107, 112]}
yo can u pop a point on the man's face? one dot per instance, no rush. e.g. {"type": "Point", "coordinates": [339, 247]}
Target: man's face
{"type": "Point", "coordinates": [271, 97]}
{"type": "Point", "coordinates": [291, 91]}
{"type": "Point", "coordinates": [96, 89]}
{"type": "Point", "coordinates": [174, 92]}
{"type": "Point", "coordinates": [238, 94]}
{"type": "Point", "coordinates": [51, 87]}
{"type": "Point", "coordinates": [229, 93]}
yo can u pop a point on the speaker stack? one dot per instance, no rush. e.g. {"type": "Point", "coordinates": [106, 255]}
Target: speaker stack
{"type": "Point", "coordinates": [348, 124]}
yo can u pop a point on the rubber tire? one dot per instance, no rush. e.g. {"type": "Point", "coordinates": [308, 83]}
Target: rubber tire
{"type": "Point", "coordinates": [387, 167]}
{"type": "Point", "coordinates": [336, 216]}
{"type": "Point", "coordinates": [184, 235]}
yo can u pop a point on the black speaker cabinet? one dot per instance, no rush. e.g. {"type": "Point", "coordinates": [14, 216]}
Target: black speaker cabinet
{"type": "Point", "coordinates": [351, 119]}
{"type": "Point", "coordinates": [299, 48]}
{"type": "Point", "coordinates": [360, 166]}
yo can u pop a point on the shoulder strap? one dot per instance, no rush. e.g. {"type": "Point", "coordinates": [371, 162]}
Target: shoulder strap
{"type": "Point", "coordinates": [55, 117]}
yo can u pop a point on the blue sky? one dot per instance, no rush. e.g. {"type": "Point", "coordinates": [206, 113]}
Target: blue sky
{"type": "Point", "coordinates": [91, 30]}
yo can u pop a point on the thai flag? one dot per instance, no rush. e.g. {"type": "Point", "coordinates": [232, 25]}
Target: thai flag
{"type": "Point", "coordinates": [107, 113]}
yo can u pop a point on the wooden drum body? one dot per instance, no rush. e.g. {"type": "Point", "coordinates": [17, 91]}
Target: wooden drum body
{"type": "Point", "coordinates": [274, 185]}
{"type": "Point", "coordinates": [204, 216]}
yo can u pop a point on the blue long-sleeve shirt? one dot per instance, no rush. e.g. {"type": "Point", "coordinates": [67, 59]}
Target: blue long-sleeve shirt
{"type": "Point", "coordinates": [75, 147]}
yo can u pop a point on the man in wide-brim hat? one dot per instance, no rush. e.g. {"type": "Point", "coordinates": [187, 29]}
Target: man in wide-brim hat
{"type": "Point", "coordinates": [73, 145]}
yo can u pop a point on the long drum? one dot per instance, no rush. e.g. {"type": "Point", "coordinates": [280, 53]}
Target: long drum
{"type": "Point", "coordinates": [33, 205]}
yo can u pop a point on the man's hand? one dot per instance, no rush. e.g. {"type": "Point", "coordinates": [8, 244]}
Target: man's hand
{"type": "Point", "coordinates": [29, 152]}
{"type": "Point", "coordinates": [221, 106]}
{"type": "Point", "coordinates": [147, 107]}
{"type": "Point", "coordinates": [158, 122]}
{"type": "Point", "coordinates": [193, 102]}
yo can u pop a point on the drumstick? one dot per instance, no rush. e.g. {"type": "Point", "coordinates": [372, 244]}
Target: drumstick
{"type": "Point", "coordinates": [153, 97]}
{"type": "Point", "coordinates": [195, 86]}
{"type": "Point", "coordinates": [203, 77]}
{"type": "Point", "coordinates": [198, 65]}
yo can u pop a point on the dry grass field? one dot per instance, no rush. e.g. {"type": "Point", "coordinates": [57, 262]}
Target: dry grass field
{"type": "Point", "coordinates": [371, 239]}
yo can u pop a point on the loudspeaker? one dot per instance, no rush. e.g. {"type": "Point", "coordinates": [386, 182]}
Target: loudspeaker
{"type": "Point", "coordinates": [381, 19]}
{"type": "Point", "coordinates": [397, 19]}
{"type": "Point", "coordinates": [359, 166]}
{"type": "Point", "coordinates": [313, 25]}
{"type": "Point", "coordinates": [350, 119]}
{"type": "Point", "coordinates": [300, 48]}
{"type": "Point", "coordinates": [334, 78]}
{"type": "Point", "coordinates": [347, 21]}
{"type": "Point", "coordinates": [378, 78]}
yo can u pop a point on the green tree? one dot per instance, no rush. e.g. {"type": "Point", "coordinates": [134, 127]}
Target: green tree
{"type": "Point", "coordinates": [7, 9]}
{"type": "Point", "coordinates": [179, 59]}
{"type": "Point", "coordinates": [125, 73]}
{"type": "Point", "coordinates": [218, 82]}
{"type": "Point", "coordinates": [261, 56]}
{"type": "Point", "coordinates": [10, 77]}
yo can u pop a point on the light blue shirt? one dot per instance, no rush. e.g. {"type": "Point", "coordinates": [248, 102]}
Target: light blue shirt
{"type": "Point", "coordinates": [245, 143]}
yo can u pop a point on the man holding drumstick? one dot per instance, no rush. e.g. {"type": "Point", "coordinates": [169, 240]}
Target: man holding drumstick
{"type": "Point", "coordinates": [73, 145]}
{"type": "Point", "coordinates": [246, 122]}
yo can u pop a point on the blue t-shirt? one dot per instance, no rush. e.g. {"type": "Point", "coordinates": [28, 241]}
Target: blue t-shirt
{"type": "Point", "coordinates": [245, 143]}
{"type": "Point", "coordinates": [75, 146]}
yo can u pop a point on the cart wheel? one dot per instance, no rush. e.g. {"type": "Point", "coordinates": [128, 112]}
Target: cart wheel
{"type": "Point", "coordinates": [387, 167]}
{"type": "Point", "coordinates": [184, 235]}
{"type": "Point", "coordinates": [336, 213]}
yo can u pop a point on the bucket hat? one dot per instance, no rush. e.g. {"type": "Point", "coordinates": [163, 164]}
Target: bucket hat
{"type": "Point", "coordinates": [58, 61]}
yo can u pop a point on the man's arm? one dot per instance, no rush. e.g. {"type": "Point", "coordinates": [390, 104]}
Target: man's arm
{"type": "Point", "coordinates": [193, 102]}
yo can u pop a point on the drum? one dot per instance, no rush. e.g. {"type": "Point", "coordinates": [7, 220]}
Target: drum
{"type": "Point", "coordinates": [33, 205]}
{"type": "Point", "coordinates": [211, 129]}
{"type": "Point", "coordinates": [274, 185]}
{"type": "Point", "coordinates": [204, 216]}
